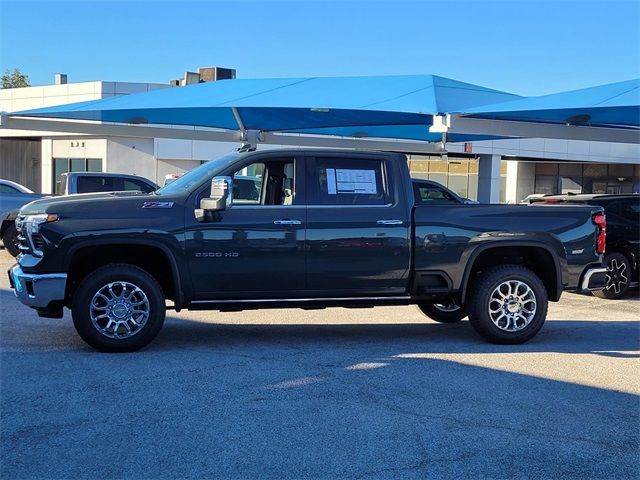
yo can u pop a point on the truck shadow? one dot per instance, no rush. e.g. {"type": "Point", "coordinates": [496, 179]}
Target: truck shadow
{"type": "Point", "coordinates": [616, 339]}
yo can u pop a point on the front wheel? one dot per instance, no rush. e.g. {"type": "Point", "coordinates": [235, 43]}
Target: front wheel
{"type": "Point", "coordinates": [508, 304]}
{"type": "Point", "coordinates": [618, 276]}
{"type": "Point", "coordinates": [10, 240]}
{"type": "Point", "coordinates": [449, 312]}
{"type": "Point", "coordinates": [118, 308]}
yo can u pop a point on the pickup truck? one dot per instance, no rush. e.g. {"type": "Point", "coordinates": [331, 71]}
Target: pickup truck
{"type": "Point", "coordinates": [69, 184]}
{"type": "Point", "coordinates": [12, 197]}
{"type": "Point", "coordinates": [318, 228]}
{"type": "Point", "coordinates": [89, 182]}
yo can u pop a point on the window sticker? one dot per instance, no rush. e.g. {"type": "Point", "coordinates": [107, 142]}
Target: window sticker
{"type": "Point", "coordinates": [331, 181]}
{"type": "Point", "coordinates": [356, 181]}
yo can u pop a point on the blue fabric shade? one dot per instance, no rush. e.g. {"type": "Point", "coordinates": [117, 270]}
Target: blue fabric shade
{"type": "Point", "coordinates": [399, 107]}
{"type": "Point", "coordinates": [291, 104]}
{"type": "Point", "coordinates": [611, 105]}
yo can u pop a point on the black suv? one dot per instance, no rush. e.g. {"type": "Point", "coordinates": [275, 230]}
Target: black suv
{"type": "Point", "coordinates": [623, 237]}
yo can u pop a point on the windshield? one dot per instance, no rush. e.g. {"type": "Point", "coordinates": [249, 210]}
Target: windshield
{"type": "Point", "coordinates": [197, 176]}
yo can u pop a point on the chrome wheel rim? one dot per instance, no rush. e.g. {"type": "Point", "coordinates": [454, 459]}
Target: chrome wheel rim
{"type": "Point", "coordinates": [119, 310]}
{"type": "Point", "coordinates": [616, 276]}
{"type": "Point", "coordinates": [446, 307]}
{"type": "Point", "coordinates": [512, 306]}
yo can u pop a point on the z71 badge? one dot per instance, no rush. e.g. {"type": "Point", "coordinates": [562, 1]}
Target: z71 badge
{"type": "Point", "coordinates": [157, 205]}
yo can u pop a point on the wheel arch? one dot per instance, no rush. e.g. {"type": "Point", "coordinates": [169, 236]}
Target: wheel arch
{"type": "Point", "coordinates": [85, 257]}
{"type": "Point", "coordinates": [519, 253]}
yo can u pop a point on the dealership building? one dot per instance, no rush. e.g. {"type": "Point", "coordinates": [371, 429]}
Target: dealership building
{"type": "Point", "coordinates": [518, 166]}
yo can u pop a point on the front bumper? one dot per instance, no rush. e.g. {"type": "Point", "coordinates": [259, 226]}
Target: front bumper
{"type": "Point", "coordinates": [594, 279]}
{"type": "Point", "coordinates": [37, 291]}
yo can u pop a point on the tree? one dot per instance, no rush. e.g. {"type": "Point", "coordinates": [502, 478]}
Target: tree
{"type": "Point", "coordinates": [15, 79]}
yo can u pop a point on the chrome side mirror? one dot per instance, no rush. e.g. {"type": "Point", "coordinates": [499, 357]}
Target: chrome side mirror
{"type": "Point", "coordinates": [219, 200]}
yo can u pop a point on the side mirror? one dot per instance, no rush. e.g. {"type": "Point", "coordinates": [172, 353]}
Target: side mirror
{"type": "Point", "coordinates": [220, 199]}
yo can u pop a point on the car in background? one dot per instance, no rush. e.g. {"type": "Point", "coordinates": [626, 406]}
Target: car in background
{"type": "Point", "coordinates": [170, 178]}
{"type": "Point", "coordinates": [533, 197]}
{"type": "Point", "coordinates": [71, 183]}
{"type": "Point", "coordinates": [92, 182]}
{"type": "Point", "coordinates": [12, 197]}
{"type": "Point", "coordinates": [623, 236]}
{"type": "Point", "coordinates": [430, 192]}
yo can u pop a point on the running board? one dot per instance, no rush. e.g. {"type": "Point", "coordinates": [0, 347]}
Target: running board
{"type": "Point", "coordinates": [305, 303]}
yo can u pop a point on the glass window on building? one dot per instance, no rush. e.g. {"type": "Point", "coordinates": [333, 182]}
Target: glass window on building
{"type": "Point", "coordinates": [459, 184]}
{"type": "Point", "coordinates": [459, 174]}
{"type": "Point", "coordinates": [66, 165]}
{"type": "Point", "coordinates": [546, 184]}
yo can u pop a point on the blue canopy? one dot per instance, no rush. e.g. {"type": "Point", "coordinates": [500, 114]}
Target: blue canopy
{"type": "Point", "coordinates": [384, 106]}
{"type": "Point", "coordinates": [611, 105]}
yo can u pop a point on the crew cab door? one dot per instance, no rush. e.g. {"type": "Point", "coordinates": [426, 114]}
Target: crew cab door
{"type": "Point", "coordinates": [256, 248]}
{"type": "Point", "coordinates": [358, 226]}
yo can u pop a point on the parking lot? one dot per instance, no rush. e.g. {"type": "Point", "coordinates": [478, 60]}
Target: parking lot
{"type": "Point", "coordinates": [371, 393]}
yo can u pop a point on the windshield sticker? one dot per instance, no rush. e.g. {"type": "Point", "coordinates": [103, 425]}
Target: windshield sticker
{"type": "Point", "coordinates": [157, 205]}
{"type": "Point", "coordinates": [356, 181]}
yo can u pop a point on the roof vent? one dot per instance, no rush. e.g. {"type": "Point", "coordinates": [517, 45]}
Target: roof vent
{"type": "Point", "coordinates": [61, 78]}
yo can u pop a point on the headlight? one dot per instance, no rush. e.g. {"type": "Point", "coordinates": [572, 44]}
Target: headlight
{"type": "Point", "coordinates": [30, 226]}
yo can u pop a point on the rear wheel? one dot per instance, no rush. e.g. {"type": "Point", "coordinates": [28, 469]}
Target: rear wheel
{"type": "Point", "coordinates": [10, 240]}
{"type": "Point", "coordinates": [449, 312]}
{"type": "Point", "coordinates": [118, 308]}
{"type": "Point", "coordinates": [618, 276]}
{"type": "Point", "coordinates": [508, 304]}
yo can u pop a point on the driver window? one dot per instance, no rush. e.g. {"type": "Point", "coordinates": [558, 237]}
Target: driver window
{"type": "Point", "coordinates": [247, 185]}
{"type": "Point", "coordinates": [270, 183]}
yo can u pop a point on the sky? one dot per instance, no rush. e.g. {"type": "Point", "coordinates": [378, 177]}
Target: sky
{"type": "Point", "coordinates": [524, 47]}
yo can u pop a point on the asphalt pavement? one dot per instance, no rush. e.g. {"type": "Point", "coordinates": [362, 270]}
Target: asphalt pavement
{"type": "Point", "coordinates": [336, 393]}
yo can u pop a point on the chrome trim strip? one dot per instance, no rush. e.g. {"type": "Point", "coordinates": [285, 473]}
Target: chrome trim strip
{"type": "Point", "coordinates": [587, 277]}
{"type": "Point", "coordinates": [351, 206]}
{"type": "Point", "coordinates": [245, 206]}
{"type": "Point", "coordinates": [292, 300]}
{"type": "Point", "coordinates": [287, 222]}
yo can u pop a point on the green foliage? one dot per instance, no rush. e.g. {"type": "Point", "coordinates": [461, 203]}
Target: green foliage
{"type": "Point", "coordinates": [15, 79]}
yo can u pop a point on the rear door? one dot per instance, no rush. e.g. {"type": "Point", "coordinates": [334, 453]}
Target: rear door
{"type": "Point", "coordinates": [358, 226]}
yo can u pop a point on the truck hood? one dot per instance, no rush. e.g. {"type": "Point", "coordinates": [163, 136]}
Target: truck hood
{"type": "Point", "coordinates": [86, 201]}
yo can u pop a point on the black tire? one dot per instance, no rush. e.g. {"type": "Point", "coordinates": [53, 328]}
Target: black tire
{"type": "Point", "coordinates": [481, 299]}
{"type": "Point", "coordinates": [81, 307]}
{"type": "Point", "coordinates": [10, 240]}
{"type": "Point", "coordinates": [437, 313]}
{"type": "Point", "coordinates": [618, 276]}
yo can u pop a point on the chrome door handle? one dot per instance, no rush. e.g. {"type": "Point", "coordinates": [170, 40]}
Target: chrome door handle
{"type": "Point", "coordinates": [390, 222]}
{"type": "Point", "coordinates": [287, 222]}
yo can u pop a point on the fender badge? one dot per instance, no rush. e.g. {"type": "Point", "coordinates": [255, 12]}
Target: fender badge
{"type": "Point", "coordinates": [157, 205]}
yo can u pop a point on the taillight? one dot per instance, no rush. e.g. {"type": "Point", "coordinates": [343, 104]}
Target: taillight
{"type": "Point", "coordinates": [601, 222]}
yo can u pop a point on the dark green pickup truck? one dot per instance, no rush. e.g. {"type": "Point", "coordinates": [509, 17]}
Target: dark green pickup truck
{"type": "Point", "coordinates": [304, 229]}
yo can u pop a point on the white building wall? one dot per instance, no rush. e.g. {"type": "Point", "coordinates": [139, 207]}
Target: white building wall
{"type": "Point", "coordinates": [46, 166]}
{"type": "Point", "coordinates": [135, 156]}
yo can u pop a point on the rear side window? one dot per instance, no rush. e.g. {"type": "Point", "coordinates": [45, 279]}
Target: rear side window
{"type": "Point", "coordinates": [92, 183]}
{"type": "Point", "coordinates": [137, 185]}
{"type": "Point", "coordinates": [8, 189]}
{"type": "Point", "coordinates": [630, 209]}
{"type": "Point", "coordinates": [432, 194]}
{"type": "Point", "coordinates": [348, 181]}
